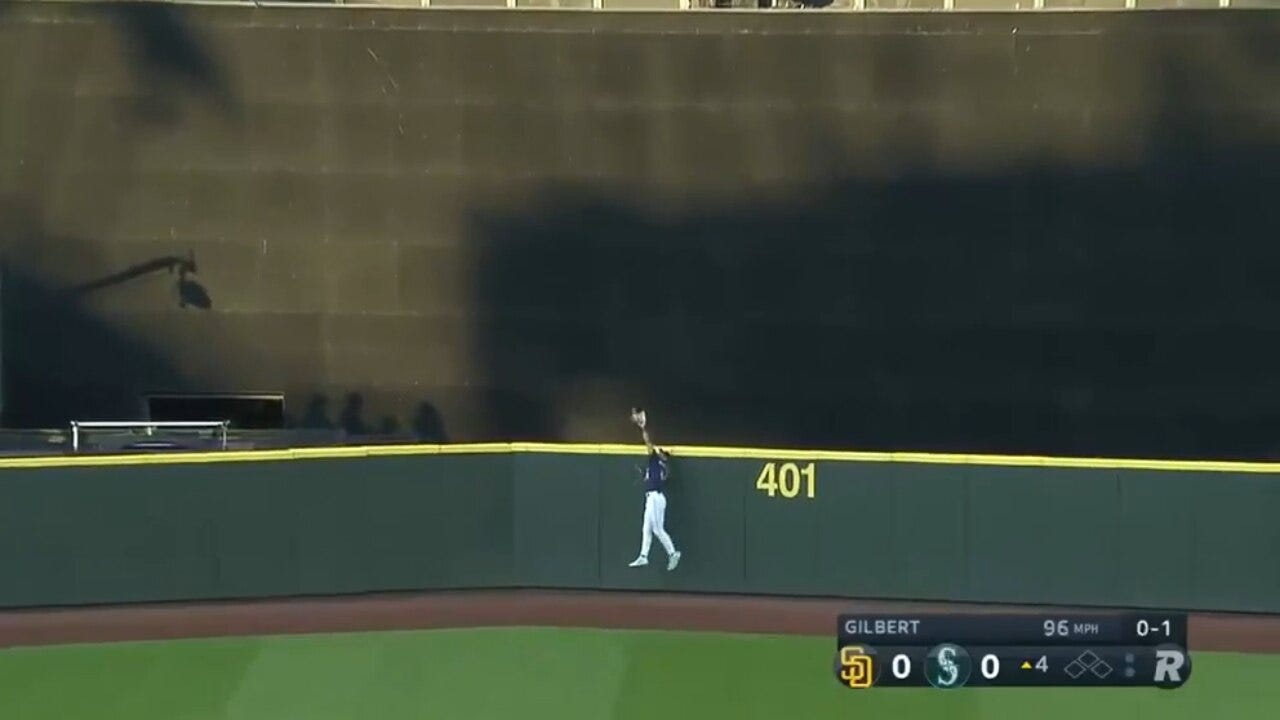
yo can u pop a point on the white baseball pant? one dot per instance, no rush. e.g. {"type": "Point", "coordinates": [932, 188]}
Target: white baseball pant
{"type": "Point", "coordinates": [655, 513]}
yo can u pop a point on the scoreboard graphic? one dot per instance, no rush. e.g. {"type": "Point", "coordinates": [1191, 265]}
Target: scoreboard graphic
{"type": "Point", "coordinates": [956, 651]}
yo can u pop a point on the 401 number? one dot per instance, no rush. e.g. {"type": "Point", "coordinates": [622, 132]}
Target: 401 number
{"type": "Point", "coordinates": [787, 480]}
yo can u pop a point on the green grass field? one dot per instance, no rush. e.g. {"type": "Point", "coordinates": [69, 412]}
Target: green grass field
{"type": "Point", "coordinates": [551, 674]}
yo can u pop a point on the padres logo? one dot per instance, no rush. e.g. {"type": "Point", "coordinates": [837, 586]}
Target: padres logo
{"type": "Point", "coordinates": [857, 667]}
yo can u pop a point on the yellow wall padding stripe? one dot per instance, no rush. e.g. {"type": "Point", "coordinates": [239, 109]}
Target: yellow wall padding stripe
{"type": "Point", "coordinates": [181, 458]}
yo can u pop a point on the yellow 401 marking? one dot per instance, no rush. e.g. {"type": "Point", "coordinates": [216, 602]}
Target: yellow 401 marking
{"type": "Point", "coordinates": [784, 479]}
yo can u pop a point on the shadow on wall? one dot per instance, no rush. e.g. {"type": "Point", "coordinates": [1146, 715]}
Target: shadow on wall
{"type": "Point", "coordinates": [1042, 309]}
{"type": "Point", "coordinates": [316, 416]}
{"type": "Point", "coordinates": [49, 378]}
{"type": "Point", "coordinates": [46, 381]}
{"type": "Point", "coordinates": [426, 425]}
{"type": "Point", "coordinates": [47, 385]}
{"type": "Point", "coordinates": [351, 419]}
{"type": "Point", "coordinates": [169, 57]}
{"type": "Point", "coordinates": [189, 291]}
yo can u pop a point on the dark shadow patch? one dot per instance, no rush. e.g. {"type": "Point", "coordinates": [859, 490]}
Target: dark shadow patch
{"type": "Point", "coordinates": [428, 424]}
{"type": "Point", "coordinates": [1094, 309]}
{"type": "Point", "coordinates": [316, 416]}
{"type": "Point", "coordinates": [351, 420]}
{"type": "Point", "coordinates": [169, 57]}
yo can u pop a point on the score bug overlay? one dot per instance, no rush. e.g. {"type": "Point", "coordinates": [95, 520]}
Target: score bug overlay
{"type": "Point", "coordinates": [954, 651]}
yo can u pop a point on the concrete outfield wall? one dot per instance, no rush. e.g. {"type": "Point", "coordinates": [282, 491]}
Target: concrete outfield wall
{"type": "Point", "coordinates": [1020, 232]}
{"type": "Point", "coordinates": [928, 527]}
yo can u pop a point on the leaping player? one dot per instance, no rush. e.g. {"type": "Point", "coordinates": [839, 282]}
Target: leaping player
{"type": "Point", "coordinates": [655, 502]}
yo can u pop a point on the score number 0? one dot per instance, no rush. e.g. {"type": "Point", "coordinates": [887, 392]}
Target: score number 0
{"type": "Point", "coordinates": [785, 479]}
{"type": "Point", "coordinates": [989, 667]}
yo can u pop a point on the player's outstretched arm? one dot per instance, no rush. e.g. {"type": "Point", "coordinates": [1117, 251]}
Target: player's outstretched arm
{"type": "Point", "coordinates": [641, 420]}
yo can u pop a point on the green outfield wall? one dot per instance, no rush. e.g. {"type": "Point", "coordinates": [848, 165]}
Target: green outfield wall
{"type": "Point", "coordinates": [1095, 532]}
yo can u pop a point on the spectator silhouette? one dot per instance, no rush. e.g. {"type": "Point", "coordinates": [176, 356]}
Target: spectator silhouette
{"type": "Point", "coordinates": [428, 426]}
{"type": "Point", "coordinates": [350, 420]}
{"type": "Point", "coordinates": [317, 415]}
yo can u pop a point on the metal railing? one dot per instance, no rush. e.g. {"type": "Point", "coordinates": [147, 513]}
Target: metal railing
{"type": "Point", "coordinates": [148, 428]}
{"type": "Point", "coordinates": [769, 5]}
{"type": "Point", "coordinates": [66, 441]}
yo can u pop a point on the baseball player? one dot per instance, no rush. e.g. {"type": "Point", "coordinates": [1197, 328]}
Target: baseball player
{"type": "Point", "coordinates": [655, 502]}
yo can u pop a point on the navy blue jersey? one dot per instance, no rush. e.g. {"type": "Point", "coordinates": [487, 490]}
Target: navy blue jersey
{"type": "Point", "coordinates": [655, 475]}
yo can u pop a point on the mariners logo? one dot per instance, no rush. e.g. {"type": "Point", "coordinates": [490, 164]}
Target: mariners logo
{"type": "Point", "coordinates": [947, 666]}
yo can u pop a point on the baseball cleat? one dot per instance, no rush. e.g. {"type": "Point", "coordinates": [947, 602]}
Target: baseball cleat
{"type": "Point", "coordinates": [639, 562]}
{"type": "Point", "coordinates": [673, 560]}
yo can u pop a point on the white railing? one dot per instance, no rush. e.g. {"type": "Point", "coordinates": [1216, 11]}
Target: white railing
{"type": "Point", "coordinates": [149, 427]}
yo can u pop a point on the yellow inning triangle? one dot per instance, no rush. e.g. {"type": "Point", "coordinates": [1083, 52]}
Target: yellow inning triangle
{"type": "Point", "coordinates": [1026, 664]}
